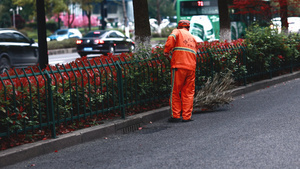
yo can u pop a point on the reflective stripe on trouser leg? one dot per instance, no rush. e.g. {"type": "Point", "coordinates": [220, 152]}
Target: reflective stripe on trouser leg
{"type": "Point", "coordinates": [187, 95]}
{"type": "Point", "coordinates": [175, 100]}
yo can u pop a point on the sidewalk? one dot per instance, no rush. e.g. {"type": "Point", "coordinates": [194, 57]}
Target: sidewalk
{"type": "Point", "coordinates": [21, 153]}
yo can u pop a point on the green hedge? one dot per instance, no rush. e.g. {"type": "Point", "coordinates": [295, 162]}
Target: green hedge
{"type": "Point", "coordinates": [270, 49]}
{"type": "Point", "coordinates": [68, 43]}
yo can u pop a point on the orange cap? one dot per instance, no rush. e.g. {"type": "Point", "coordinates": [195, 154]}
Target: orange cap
{"type": "Point", "coordinates": [184, 23]}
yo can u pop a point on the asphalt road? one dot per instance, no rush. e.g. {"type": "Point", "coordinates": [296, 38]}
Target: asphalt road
{"type": "Point", "coordinates": [258, 130]}
{"type": "Point", "coordinates": [62, 58]}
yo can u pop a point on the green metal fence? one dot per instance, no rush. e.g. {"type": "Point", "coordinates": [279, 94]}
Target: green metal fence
{"type": "Point", "coordinates": [85, 90]}
{"type": "Point", "coordinates": [81, 92]}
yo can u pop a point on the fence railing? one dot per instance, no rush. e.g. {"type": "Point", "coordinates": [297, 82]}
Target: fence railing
{"type": "Point", "coordinates": [82, 92]}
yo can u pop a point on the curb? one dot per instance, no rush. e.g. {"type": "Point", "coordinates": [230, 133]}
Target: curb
{"type": "Point", "coordinates": [131, 123]}
{"type": "Point", "coordinates": [264, 84]}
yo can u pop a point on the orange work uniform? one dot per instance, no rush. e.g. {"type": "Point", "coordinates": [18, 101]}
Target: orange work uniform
{"type": "Point", "coordinates": [183, 66]}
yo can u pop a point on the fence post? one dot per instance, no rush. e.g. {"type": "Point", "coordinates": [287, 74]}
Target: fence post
{"type": "Point", "coordinates": [211, 63]}
{"type": "Point", "coordinates": [120, 88]}
{"type": "Point", "coordinates": [271, 69]}
{"type": "Point", "coordinates": [244, 63]}
{"type": "Point", "coordinates": [50, 104]}
{"type": "Point", "coordinates": [291, 64]}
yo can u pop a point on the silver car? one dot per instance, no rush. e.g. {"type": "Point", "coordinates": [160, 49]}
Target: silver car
{"type": "Point", "coordinates": [62, 34]}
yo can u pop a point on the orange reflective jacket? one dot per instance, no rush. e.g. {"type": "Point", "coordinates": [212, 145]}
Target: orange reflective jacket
{"type": "Point", "coordinates": [184, 47]}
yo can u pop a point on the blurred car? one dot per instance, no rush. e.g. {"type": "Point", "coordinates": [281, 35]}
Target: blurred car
{"type": "Point", "coordinates": [104, 42]}
{"type": "Point", "coordinates": [172, 25]}
{"type": "Point", "coordinates": [16, 50]}
{"type": "Point", "coordinates": [130, 27]}
{"type": "Point", "coordinates": [62, 34]}
{"type": "Point", "coordinates": [153, 24]}
{"type": "Point", "coordinates": [293, 22]}
{"type": "Point", "coordinates": [164, 23]}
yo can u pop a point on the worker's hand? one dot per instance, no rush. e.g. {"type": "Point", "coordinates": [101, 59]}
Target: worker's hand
{"type": "Point", "coordinates": [167, 55]}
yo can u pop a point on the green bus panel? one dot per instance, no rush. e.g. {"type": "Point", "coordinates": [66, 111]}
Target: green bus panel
{"type": "Point", "coordinates": [205, 20]}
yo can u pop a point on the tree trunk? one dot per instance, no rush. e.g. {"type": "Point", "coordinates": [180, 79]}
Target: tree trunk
{"type": "Point", "coordinates": [89, 13]}
{"type": "Point", "coordinates": [225, 32]}
{"type": "Point", "coordinates": [174, 3]}
{"type": "Point", "coordinates": [41, 23]}
{"type": "Point", "coordinates": [58, 21]}
{"type": "Point", "coordinates": [158, 17]}
{"type": "Point", "coordinates": [73, 17]}
{"type": "Point", "coordinates": [103, 14]}
{"type": "Point", "coordinates": [125, 19]}
{"type": "Point", "coordinates": [141, 21]}
{"type": "Point", "coordinates": [70, 20]}
{"type": "Point", "coordinates": [283, 15]}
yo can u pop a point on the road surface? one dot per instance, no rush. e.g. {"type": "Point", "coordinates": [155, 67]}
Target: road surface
{"type": "Point", "coordinates": [257, 130]}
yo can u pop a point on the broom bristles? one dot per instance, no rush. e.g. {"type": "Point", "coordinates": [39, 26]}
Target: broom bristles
{"type": "Point", "coordinates": [215, 93]}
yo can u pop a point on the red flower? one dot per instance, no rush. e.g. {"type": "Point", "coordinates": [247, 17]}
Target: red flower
{"type": "Point", "coordinates": [280, 57]}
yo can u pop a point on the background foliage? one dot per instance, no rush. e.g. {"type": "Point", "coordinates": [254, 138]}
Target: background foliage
{"type": "Point", "coordinates": [270, 49]}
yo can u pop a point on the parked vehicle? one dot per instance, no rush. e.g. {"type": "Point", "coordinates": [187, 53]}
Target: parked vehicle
{"type": "Point", "coordinates": [16, 50]}
{"type": "Point", "coordinates": [155, 27]}
{"type": "Point", "coordinates": [294, 26]}
{"type": "Point", "coordinates": [62, 34]}
{"type": "Point", "coordinates": [202, 28]}
{"type": "Point", "coordinates": [103, 42]}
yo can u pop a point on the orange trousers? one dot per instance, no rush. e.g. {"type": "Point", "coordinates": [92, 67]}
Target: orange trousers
{"type": "Point", "coordinates": [182, 93]}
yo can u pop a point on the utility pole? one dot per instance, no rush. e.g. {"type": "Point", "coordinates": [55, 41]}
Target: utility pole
{"type": "Point", "coordinates": [14, 17]}
{"type": "Point", "coordinates": [41, 23]}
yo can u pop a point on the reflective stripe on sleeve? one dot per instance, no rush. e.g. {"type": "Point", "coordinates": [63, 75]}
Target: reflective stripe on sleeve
{"type": "Point", "coordinates": [184, 49]}
{"type": "Point", "coordinates": [174, 36]}
{"type": "Point", "coordinates": [172, 88]}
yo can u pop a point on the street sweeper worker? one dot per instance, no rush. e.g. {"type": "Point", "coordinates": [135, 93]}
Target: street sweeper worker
{"type": "Point", "coordinates": [183, 47]}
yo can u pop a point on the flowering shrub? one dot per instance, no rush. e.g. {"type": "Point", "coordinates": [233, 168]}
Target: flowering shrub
{"type": "Point", "coordinates": [79, 90]}
{"type": "Point", "coordinates": [221, 57]}
{"type": "Point", "coordinates": [20, 100]}
{"type": "Point", "coordinates": [62, 98]}
{"type": "Point", "coordinates": [267, 49]}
